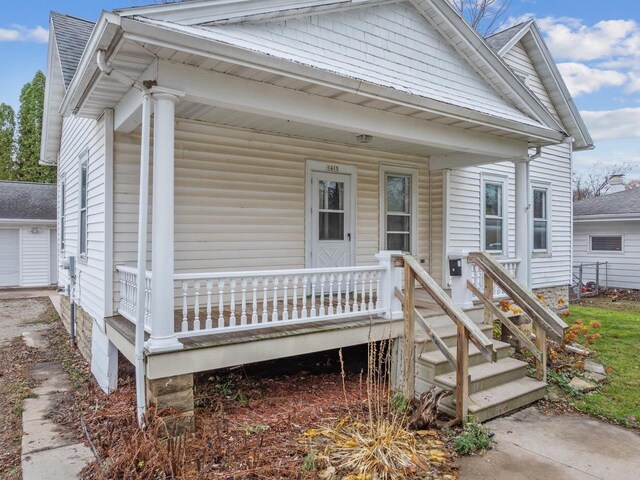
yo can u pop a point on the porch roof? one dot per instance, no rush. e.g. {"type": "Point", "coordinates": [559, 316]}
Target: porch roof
{"type": "Point", "coordinates": [133, 43]}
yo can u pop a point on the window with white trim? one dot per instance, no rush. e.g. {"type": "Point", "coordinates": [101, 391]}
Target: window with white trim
{"type": "Point", "coordinates": [84, 168]}
{"type": "Point", "coordinates": [398, 207]}
{"type": "Point", "coordinates": [540, 219]}
{"type": "Point", "coordinates": [606, 243]}
{"type": "Point", "coordinates": [62, 211]}
{"type": "Point", "coordinates": [494, 216]}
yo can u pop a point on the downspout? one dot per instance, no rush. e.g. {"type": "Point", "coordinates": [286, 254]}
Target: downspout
{"type": "Point", "coordinates": [142, 229]}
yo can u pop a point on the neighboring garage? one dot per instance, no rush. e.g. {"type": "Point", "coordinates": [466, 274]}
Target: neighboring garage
{"type": "Point", "coordinates": [28, 242]}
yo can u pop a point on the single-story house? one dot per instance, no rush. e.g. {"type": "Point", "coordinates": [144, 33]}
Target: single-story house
{"type": "Point", "coordinates": [297, 149]}
{"type": "Point", "coordinates": [607, 229]}
{"type": "Point", "coordinates": [28, 252]}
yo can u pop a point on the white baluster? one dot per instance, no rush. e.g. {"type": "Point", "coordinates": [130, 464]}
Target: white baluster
{"type": "Point", "coordinates": [378, 303]}
{"type": "Point", "coordinates": [265, 300]}
{"type": "Point", "coordinates": [331, 277]}
{"type": "Point", "coordinates": [185, 289]}
{"type": "Point", "coordinates": [312, 312]}
{"type": "Point", "coordinates": [285, 299]}
{"type": "Point", "coordinates": [323, 279]}
{"type": "Point", "coordinates": [370, 305]}
{"type": "Point", "coordinates": [254, 304]}
{"type": "Point", "coordinates": [243, 315]}
{"type": "Point", "coordinates": [209, 321]}
{"type": "Point", "coordinates": [305, 278]}
{"type": "Point", "coordinates": [274, 314]}
{"type": "Point", "coordinates": [232, 306]}
{"type": "Point", "coordinates": [347, 306]}
{"type": "Point", "coordinates": [196, 306]}
{"type": "Point", "coordinates": [363, 304]}
{"type": "Point", "coordinates": [354, 306]}
{"type": "Point", "coordinates": [339, 300]}
{"type": "Point", "coordinates": [294, 312]}
{"type": "Point", "coordinates": [220, 303]}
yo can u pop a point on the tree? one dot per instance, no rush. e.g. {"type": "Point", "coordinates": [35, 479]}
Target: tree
{"type": "Point", "coordinates": [29, 133]}
{"type": "Point", "coordinates": [483, 15]}
{"type": "Point", "coordinates": [595, 182]}
{"type": "Point", "coordinates": [7, 146]}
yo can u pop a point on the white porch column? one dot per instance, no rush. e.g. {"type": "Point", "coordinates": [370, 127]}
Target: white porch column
{"type": "Point", "coordinates": [163, 336]}
{"type": "Point", "coordinates": [391, 279]}
{"type": "Point", "coordinates": [523, 217]}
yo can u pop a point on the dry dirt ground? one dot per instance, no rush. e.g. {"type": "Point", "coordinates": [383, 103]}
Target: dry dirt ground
{"type": "Point", "coordinates": [21, 314]}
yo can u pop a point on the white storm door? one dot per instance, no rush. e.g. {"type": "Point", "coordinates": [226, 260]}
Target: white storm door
{"type": "Point", "coordinates": [331, 220]}
{"type": "Point", "coordinates": [9, 257]}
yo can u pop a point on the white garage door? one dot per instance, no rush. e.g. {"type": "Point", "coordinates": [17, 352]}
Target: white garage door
{"type": "Point", "coordinates": [9, 257]}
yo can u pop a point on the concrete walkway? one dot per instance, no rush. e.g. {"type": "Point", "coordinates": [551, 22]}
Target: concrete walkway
{"type": "Point", "coordinates": [48, 451]}
{"type": "Point", "coordinates": [532, 445]}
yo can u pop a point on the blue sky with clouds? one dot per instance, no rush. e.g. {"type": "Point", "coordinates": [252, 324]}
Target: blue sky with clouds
{"type": "Point", "coordinates": [595, 42]}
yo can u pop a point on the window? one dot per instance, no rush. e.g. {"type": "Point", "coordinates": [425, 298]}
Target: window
{"type": "Point", "coordinates": [62, 212]}
{"type": "Point", "coordinates": [493, 217]}
{"type": "Point", "coordinates": [609, 243]}
{"type": "Point", "coordinates": [540, 220]}
{"type": "Point", "coordinates": [398, 218]}
{"type": "Point", "coordinates": [84, 164]}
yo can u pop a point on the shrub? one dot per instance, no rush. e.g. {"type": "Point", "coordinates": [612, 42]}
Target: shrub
{"type": "Point", "coordinates": [474, 437]}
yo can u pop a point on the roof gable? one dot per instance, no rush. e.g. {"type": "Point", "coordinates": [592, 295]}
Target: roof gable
{"type": "Point", "coordinates": [71, 36]}
{"type": "Point", "coordinates": [527, 37]}
{"type": "Point", "coordinates": [388, 43]}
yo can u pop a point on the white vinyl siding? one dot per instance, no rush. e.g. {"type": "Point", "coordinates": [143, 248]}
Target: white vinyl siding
{"type": "Point", "coordinates": [623, 267]}
{"type": "Point", "coordinates": [81, 135]}
{"type": "Point", "coordinates": [240, 198]}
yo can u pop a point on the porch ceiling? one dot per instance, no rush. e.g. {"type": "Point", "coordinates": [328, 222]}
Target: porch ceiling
{"type": "Point", "coordinates": [135, 58]}
{"type": "Point", "coordinates": [289, 128]}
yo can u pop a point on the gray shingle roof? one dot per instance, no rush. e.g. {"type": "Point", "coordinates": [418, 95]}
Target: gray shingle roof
{"type": "Point", "coordinates": [500, 39]}
{"type": "Point", "coordinates": [23, 200]}
{"type": "Point", "coordinates": [627, 202]}
{"type": "Point", "coordinates": [72, 35]}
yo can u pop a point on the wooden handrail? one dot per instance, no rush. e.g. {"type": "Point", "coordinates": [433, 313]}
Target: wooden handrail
{"type": "Point", "coordinates": [435, 338]}
{"type": "Point", "coordinates": [476, 335]}
{"type": "Point", "coordinates": [551, 323]}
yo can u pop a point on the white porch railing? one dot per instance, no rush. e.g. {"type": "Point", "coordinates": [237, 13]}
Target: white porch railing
{"type": "Point", "coordinates": [129, 295]}
{"type": "Point", "coordinates": [477, 275]}
{"type": "Point", "coordinates": [210, 303]}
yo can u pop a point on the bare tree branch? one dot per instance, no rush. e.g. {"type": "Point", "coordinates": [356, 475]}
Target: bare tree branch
{"type": "Point", "coordinates": [595, 182]}
{"type": "Point", "coordinates": [483, 15]}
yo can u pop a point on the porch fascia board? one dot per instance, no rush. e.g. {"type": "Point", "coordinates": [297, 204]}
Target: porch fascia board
{"type": "Point", "coordinates": [140, 31]}
{"type": "Point", "coordinates": [461, 160]}
{"type": "Point", "coordinates": [222, 90]}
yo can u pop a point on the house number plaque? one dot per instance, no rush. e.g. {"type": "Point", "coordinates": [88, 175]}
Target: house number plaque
{"type": "Point", "coordinates": [333, 168]}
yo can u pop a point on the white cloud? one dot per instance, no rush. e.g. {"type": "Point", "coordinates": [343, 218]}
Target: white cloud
{"type": "Point", "coordinates": [583, 79]}
{"type": "Point", "coordinates": [570, 39]}
{"type": "Point", "coordinates": [613, 124]}
{"type": "Point", "coordinates": [20, 33]}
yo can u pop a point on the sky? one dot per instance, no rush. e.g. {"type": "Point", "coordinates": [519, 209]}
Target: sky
{"type": "Point", "coordinates": [595, 43]}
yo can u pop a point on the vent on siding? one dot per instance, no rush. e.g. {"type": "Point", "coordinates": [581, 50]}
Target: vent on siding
{"type": "Point", "coordinates": [612, 243]}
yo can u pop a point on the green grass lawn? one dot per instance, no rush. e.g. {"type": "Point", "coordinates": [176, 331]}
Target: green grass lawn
{"type": "Point", "coordinates": [619, 350]}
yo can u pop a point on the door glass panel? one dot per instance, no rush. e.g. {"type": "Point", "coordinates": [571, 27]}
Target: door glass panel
{"type": "Point", "coordinates": [331, 195]}
{"type": "Point", "coordinates": [331, 226]}
{"type": "Point", "coordinates": [398, 241]}
{"type": "Point", "coordinates": [397, 194]}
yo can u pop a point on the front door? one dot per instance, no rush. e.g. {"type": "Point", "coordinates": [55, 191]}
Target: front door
{"type": "Point", "coordinates": [331, 220]}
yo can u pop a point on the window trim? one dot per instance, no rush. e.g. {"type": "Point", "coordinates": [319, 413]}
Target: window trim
{"type": "Point", "coordinates": [63, 201]}
{"type": "Point", "coordinates": [412, 173]}
{"type": "Point", "coordinates": [83, 247]}
{"type": "Point", "coordinates": [607, 252]}
{"type": "Point", "coordinates": [503, 182]}
{"type": "Point", "coordinates": [548, 212]}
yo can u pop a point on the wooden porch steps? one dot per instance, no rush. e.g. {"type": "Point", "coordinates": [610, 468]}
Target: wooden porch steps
{"type": "Point", "coordinates": [494, 388]}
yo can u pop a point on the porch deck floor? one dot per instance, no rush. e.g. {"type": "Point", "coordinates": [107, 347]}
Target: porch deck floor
{"type": "Point", "coordinates": [126, 329]}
